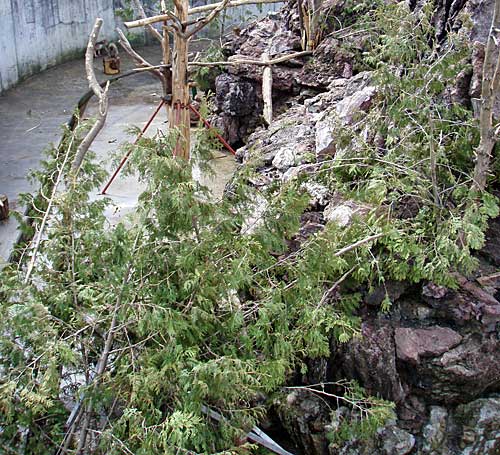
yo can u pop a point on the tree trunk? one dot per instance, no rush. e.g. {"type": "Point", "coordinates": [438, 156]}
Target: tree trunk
{"type": "Point", "coordinates": [489, 91]}
{"type": "Point", "coordinates": [179, 114]}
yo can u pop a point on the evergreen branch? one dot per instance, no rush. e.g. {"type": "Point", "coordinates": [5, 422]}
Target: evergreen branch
{"type": "Point", "coordinates": [47, 213]}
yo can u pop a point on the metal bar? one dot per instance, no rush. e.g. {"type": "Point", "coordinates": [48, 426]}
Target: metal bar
{"type": "Point", "coordinates": [207, 124]}
{"type": "Point", "coordinates": [126, 157]}
{"type": "Point", "coordinates": [255, 435]}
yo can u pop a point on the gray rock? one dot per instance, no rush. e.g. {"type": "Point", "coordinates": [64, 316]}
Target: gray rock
{"type": "Point", "coordinates": [255, 218]}
{"type": "Point", "coordinates": [350, 107]}
{"type": "Point", "coordinates": [305, 415]}
{"type": "Point", "coordinates": [234, 97]}
{"type": "Point", "coordinates": [370, 358]}
{"type": "Point", "coordinates": [342, 211]}
{"type": "Point", "coordinates": [434, 433]}
{"type": "Point", "coordinates": [320, 194]}
{"type": "Point", "coordinates": [480, 427]}
{"type": "Point", "coordinates": [395, 441]}
{"type": "Point", "coordinates": [285, 157]}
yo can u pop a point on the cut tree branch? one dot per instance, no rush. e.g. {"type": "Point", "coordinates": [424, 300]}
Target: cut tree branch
{"type": "Point", "coordinates": [100, 93]}
{"type": "Point", "coordinates": [142, 62]}
{"type": "Point", "coordinates": [210, 7]}
{"type": "Point", "coordinates": [200, 9]}
{"type": "Point", "coordinates": [206, 20]}
{"type": "Point", "coordinates": [489, 92]}
{"type": "Point", "coordinates": [235, 62]}
{"type": "Point", "coordinates": [143, 15]}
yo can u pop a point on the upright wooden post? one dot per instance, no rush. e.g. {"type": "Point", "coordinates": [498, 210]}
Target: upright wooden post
{"type": "Point", "coordinates": [165, 44]}
{"type": "Point", "coordinates": [179, 114]}
{"type": "Point", "coordinates": [267, 89]}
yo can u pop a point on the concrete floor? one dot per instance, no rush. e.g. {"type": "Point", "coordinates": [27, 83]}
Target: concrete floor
{"type": "Point", "coordinates": [31, 116]}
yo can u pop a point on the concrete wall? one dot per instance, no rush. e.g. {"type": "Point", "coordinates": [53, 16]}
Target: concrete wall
{"type": "Point", "coordinates": [234, 17]}
{"type": "Point", "coordinates": [36, 34]}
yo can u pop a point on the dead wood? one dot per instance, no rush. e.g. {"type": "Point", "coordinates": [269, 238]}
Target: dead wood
{"type": "Point", "coordinates": [141, 61]}
{"type": "Point", "coordinates": [143, 15]}
{"type": "Point", "coordinates": [489, 92]}
{"type": "Point", "coordinates": [100, 93]}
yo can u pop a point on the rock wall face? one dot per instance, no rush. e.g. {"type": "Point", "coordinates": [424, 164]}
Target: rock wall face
{"type": "Point", "coordinates": [436, 353]}
{"type": "Point", "coordinates": [37, 34]}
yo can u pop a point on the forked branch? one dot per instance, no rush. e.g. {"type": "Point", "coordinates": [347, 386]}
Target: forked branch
{"type": "Point", "coordinates": [142, 14]}
{"type": "Point", "coordinates": [141, 61]}
{"type": "Point", "coordinates": [206, 20]}
{"type": "Point", "coordinates": [100, 93]}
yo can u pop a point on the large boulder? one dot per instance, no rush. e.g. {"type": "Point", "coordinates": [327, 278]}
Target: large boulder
{"type": "Point", "coordinates": [238, 106]}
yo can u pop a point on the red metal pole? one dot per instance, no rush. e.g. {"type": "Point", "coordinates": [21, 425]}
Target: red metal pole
{"type": "Point", "coordinates": [207, 124]}
{"type": "Point", "coordinates": [126, 157]}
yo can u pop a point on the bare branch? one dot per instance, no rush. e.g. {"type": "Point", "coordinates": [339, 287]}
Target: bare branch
{"type": "Point", "coordinates": [39, 234]}
{"type": "Point", "coordinates": [206, 20]}
{"type": "Point", "coordinates": [236, 61]}
{"type": "Point", "coordinates": [102, 95]}
{"type": "Point", "coordinates": [210, 7]}
{"type": "Point", "coordinates": [125, 44]}
{"type": "Point", "coordinates": [142, 14]}
{"type": "Point", "coordinates": [200, 9]}
{"type": "Point", "coordinates": [348, 248]}
{"type": "Point", "coordinates": [147, 21]}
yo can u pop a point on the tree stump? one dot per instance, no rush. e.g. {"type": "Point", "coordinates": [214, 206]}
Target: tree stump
{"type": "Point", "coordinates": [4, 207]}
{"type": "Point", "coordinates": [111, 65]}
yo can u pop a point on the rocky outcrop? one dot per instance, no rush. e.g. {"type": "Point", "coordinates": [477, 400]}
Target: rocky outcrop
{"type": "Point", "coordinates": [436, 353]}
{"type": "Point", "coordinates": [238, 104]}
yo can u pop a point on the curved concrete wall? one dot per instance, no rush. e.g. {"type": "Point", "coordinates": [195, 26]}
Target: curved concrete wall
{"type": "Point", "coordinates": [36, 34]}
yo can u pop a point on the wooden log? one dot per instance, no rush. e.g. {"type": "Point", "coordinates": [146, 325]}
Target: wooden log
{"type": "Point", "coordinates": [200, 9]}
{"type": "Point", "coordinates": [267, 89]}
{"type": "Point", "coordinates": [235, 62]}
{"type": "Point", "coordinates": [4, 207]}
{"type": "Point", "coordinates": [179, 113]}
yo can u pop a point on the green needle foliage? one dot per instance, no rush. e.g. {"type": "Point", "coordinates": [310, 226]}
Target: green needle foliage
{"type": "Point", "coordinates": [123, 334]}
{"type": "Point", "coordinates": [197, 314]}
{"type": "Point", "coordinates": [412, 156]}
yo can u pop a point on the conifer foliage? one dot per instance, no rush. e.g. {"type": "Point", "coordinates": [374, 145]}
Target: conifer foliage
{"type": "Point", "coordinates": [124, 336]}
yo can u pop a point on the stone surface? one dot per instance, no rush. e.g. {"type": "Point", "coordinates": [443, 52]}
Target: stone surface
{"type": "Point", "coordinates": [304, 416]}
{"type": "Point", "coordinates": [395, 441]}
{"type": "Point", "coordinates": [238, 104]}
{"type": "Point", "coordinates": [35, 36]}
{"type": "Point", "coordinates": [434, 433]}
{"type": "Point", "coordinates": [254, 219]}
{"type": "Point", "coordinates": [371, 359]}
{"type": "Point", "coordinates": [480, 433]}
{"type": "Point", "coordinates": [412, 344]}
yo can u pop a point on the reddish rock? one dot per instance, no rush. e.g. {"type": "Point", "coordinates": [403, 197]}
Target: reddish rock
{"type": "Point", "coordinates": [411, 344]}
{"type": "Point", "coordinates": [371, 359]}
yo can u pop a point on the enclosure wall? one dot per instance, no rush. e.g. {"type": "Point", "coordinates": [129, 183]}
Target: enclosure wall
{"type": "Point", "coordinates": [36, 34]}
